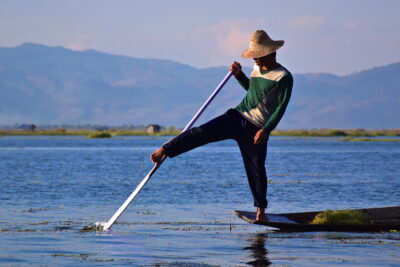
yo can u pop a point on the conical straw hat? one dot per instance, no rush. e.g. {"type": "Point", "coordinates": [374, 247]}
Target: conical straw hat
{"type": "Point", "coordinates": [261, 45]}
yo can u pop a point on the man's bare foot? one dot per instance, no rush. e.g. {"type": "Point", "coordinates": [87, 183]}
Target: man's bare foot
{"type": "Point", "coordinates": [157, 155]}
{"type": "Point", "coordinates": [261, 216]}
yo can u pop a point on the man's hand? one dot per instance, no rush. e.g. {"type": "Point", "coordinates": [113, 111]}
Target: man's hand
{"type": "Point", "coordinates": [260, 137]}
{"type": "Point", "coordinates": [157, 155]}
{"type": "Point", "coordinates": [236, 68]}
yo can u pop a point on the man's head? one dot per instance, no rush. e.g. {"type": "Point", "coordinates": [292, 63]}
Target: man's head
{"type": "Point", "coordinates": [261, 45]}
{"type": "Point", "coordinates": [266, 60]}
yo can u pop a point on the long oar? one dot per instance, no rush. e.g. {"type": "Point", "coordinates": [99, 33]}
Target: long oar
{"type": "Point", "coordinates": [107, 225]}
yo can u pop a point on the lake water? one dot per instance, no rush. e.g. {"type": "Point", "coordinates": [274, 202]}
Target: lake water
{"type": "Point", "coordinates": [51, 187]}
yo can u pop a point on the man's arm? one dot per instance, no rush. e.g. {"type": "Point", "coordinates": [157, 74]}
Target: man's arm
{"type": "Point", "coordinates": [283, 99]}
{"type": "Point", "coordinates": [286, 85]}
{"type": "Point", "coordinates": [236, 69]}
{"type": "Point", "coordinates": [243, 80]}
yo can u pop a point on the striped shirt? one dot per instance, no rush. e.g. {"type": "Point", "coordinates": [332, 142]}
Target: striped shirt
{"type": "Point", "coordinates": [268, 94]}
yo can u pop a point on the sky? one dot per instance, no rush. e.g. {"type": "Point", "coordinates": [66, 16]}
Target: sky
{"type": "Point", "coordinates": [333, 36]}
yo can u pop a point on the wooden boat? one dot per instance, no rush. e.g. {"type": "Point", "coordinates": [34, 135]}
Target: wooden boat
{"type": "Point", "coordinates": [382, 219]}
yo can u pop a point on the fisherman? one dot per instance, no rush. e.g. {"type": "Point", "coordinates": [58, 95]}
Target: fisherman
{"type": "Point", "coordinates": [251, 122]}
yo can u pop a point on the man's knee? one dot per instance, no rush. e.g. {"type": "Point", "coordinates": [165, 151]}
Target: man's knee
{"type": "Point", "coordinates": [197, 130]}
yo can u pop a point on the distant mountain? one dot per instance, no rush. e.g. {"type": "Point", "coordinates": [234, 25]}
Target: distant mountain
{"type": "Point", "coordinates": [45, 85]}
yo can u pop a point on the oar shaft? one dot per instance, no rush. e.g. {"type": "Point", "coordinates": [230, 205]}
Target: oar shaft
{"type": "Point", "coordinates": [208, 101]}
{"type": "Point", "coordinates": [123, 207]}
{"type": "Point", "coordinates": [154, 169]}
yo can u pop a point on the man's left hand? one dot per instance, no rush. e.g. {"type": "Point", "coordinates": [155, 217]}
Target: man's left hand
{"type": "Point", "coordinates": [261, 137]}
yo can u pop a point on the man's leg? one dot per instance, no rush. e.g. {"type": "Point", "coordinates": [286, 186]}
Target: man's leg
{"type": "Point", "coordinates": [254, 162]}
{"type": "Point", "coordinates": [215, 130]}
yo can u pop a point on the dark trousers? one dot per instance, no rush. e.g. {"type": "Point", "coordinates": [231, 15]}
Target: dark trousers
{"type": "Point", "coordinates": [231, 125]}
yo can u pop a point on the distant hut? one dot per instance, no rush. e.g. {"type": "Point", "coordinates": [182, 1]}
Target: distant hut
{"type": "Point", "coordinates": [153, 128]}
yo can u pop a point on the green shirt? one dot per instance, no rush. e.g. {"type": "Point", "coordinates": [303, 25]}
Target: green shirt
{"type": "Point", "coordinates": [268, 94]}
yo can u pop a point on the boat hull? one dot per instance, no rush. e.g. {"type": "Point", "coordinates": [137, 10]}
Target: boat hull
{"type": "Point", "coordinates": [383, 219]}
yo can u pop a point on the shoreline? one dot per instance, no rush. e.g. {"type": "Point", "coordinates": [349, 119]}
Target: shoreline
{"type": "Point", "coordinates": [348, 134]}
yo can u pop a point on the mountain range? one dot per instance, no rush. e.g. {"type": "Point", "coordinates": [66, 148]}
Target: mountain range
{"type": "Point", "coordinates": [54, 85]}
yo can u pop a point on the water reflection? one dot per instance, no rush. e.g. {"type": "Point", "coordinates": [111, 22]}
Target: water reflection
{"type": "Point", "coordinates": [258, 252]}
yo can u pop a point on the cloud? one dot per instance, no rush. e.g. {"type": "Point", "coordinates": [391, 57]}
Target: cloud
{"type": "Point", "coordinates": [352, 24]}
{"type": "Point", "coordinates": [355, 25]}
{"type": "Point", "coordinates": [229, 38]}
{"type": "Point", "coordinates": [125, 83]}
{"type": "Point", "coordinates": [307, 23]}
{"type": "Point", "coordinates": [232, 40]}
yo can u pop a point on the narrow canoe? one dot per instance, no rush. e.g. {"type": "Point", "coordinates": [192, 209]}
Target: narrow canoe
{"type": "Point", "coordinates": [383, 219]}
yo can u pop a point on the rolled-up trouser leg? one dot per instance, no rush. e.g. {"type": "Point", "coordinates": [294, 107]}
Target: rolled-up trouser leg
{"type": "Point", "coordinates": [217, 129]}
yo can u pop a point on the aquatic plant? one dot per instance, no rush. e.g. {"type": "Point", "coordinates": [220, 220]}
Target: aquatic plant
{"type": "Point", "coordinates": [99, 135]}
{"type": "Point", "coordinates": [90, 228]}
{"type": "Point", "coordinates": [340, 217]}
{"type": "Point", "coordinates": [348, 139]}
{"type": "Point", "coordinates": [337, 132]}
{"type": "Point", "coordinates": [170, 131]}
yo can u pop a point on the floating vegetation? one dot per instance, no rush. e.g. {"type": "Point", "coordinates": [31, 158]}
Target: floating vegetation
{"type": "Point", "coordinates": [147, 212]}
{"type": "Point", "coordinates": [363, 242]}
{"type": "Point", "coordinates": [338, 217]}
{"type": "Point", "coordinates": [26, 230]}
{"type": "Point", "coordinates": [89, 228]}
{"type": "Point", "coordinates": [39, 223]}
{"type": "Point", "coordinates": [350, 139]}
{"type": "Point", "coordinates": [97, 227]}
{"type": "Point", "coordinates": [35, 209]}
{"type": "Point", "coordinates": [201, 228]}
{"type": "Point", "coordinates": [99, 135]}
{"type": "Point", "coordinates": [62, 228]}
{"type": "Point", "coordinates": [83, 256]}
{"type": "Point", "coordinates": [172, 223]}
{"type": "Point", "coordinates": [337, 133]}
{"type": "Point", "coordinates": [270, 181]}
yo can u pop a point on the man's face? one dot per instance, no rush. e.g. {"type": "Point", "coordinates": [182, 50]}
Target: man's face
{"type": "Point", "coordinates": [261, 61]}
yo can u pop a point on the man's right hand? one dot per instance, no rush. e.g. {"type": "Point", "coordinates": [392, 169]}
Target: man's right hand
{"type": "Point", "coordinates": [236, 68]}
